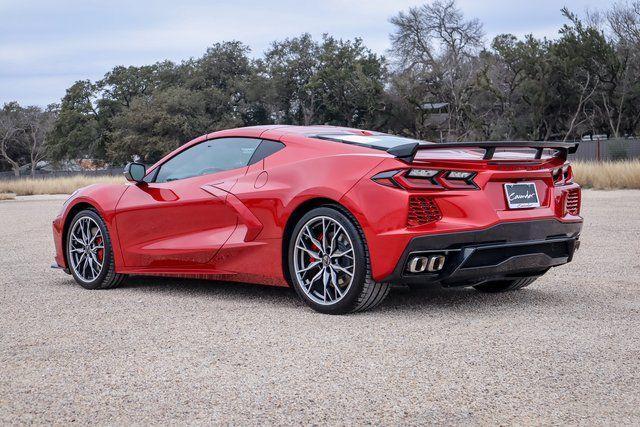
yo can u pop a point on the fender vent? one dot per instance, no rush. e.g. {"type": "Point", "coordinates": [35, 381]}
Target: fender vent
{"type": "Point", "coordinates": [572, 201]}
{"type": "Point", "coordinates": [422, 210]}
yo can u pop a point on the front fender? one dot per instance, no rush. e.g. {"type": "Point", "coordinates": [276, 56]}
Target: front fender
{"type": "Point", "coordinates": [104, 199]}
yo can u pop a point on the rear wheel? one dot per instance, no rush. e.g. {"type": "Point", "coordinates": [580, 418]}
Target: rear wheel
{"type": "Point", "coordinates": [506, 285]}
{"type": "Point", "coordinates": [89, 252]}
{"type": "Point", "coordinates": [329, 263]}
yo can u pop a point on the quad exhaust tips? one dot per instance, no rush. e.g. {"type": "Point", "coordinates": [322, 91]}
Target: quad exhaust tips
{"type": "Point", "coordinates": [422, 263]}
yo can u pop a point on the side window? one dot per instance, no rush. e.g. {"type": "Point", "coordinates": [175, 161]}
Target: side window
{"type": "Point", "coordinates": [215, 155]}
{"type": "Point", "coordinates": [265, 149]}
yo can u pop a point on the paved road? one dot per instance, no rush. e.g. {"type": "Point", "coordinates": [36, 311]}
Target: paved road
{"type": "Point", "coordinates": [565, 350]}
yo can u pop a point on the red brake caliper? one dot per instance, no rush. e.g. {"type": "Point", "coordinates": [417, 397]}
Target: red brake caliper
{"type": "Point", "coordinates": [315, 248]}
{"type": "Point", "coordinates": [100, 252]}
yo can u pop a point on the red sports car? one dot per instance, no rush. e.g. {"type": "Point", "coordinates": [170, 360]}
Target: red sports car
{"type": "Point", "coordinates": [338, 214]}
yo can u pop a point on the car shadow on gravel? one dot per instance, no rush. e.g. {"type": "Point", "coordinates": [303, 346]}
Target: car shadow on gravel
{"type": "Point", "coordinates": [400, 299]}
{"type": "Point", "coordinates": [206, 287]}
{"type": "Point", "coordinates": [403, 299]}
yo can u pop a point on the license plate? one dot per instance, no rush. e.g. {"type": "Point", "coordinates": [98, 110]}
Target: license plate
{"type": "Point", "coordinates": [522, 195]}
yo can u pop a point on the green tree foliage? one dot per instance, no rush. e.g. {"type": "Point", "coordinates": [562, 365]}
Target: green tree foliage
{"type": "Point", "coordinates": [144, 112]}
{"type": "Point", "coordinates": [329, 82]}
{"type": "Point", "coordinates": [583, 82]}
{"type": "Point", "coordinates": [81, 126]}
{"type": "Point", "coordinates": [586, 81]}
{"type": "Point", "coordinates": [349, 83]}
{"type": "Point", "coordinates": [289, 67]}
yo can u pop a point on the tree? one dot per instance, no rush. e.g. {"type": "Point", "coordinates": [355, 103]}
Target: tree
{"type": "Point", "coordinates": [23, 133]}
{"type": "Point", "coordinates": [153, 126]}
{"type": "Point", "coordinates": [348, 83]}
{"type": "Point", "coordinates": [335, 82]}
{"type": "Point", "coordinates": [510, 99]}
{"type": "Point", "coordinates": [624, 22]}
{"type": "Point", "coordinates": [436, 45]}
{"type": "Point", "coordinates": [81, 127]}
{"type": "Point", "coordinates": [620, 104]}
{"type": "Point", "coordinates": [37, 126]}
{"type": "Point", "coordinates": [584, 81]}
{"type": "Point", "coordinates": [10, 131]}
{"type": "Point", "coordinates": [289, 66]}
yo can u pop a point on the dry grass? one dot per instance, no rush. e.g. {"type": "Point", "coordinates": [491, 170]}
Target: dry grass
{"type": "Point", "coordinates": [7, 196]}
{"type": "Point", "coordinates": [65, 185]}
{"type": "Point", "coordinates": [608, 175]}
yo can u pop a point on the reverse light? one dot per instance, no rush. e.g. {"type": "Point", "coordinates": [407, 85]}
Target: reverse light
{"type": "Point", "coordinates": [459, 175]}
{"type": "Point", "coordinates": [422, 173]}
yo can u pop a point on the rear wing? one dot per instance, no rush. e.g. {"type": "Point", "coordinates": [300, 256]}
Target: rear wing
{"type": "Point", "coordinates": [407, 152]}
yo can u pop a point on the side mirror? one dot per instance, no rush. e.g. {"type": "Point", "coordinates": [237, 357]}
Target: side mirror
{"type": "Point", "coordinates": [135, 172]}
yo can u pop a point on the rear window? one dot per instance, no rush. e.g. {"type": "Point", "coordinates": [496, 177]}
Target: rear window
{"type": "Point", "coordinates": [383, 141]}
{"type": "Point", "coordinates": [471, 153]}
{"type": "Point", "coordinates": [380, 141]}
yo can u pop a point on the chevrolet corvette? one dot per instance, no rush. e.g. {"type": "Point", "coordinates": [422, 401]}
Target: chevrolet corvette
{"type": "Point", "coordinates": [338, 214]}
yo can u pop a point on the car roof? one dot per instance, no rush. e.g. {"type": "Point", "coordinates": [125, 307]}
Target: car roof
{"type": "Point", "coordinates": [273, 132]}
{"type": "Point", "coordinates": [276, 131]}
{"type": "Point", "coordinates": [351, 139]}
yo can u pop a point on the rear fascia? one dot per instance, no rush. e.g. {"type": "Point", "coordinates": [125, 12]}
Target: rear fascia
{"type": "Point", "coordinates": [382, 210]}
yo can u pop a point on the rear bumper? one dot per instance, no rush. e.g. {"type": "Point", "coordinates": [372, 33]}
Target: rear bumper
{"type": "Point", "coordinates": [511, 249]}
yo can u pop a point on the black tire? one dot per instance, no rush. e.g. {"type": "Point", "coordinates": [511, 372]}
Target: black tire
{"type": "Point", "coordinates": [364, 293]}
{"type": "Point", "coordinates": [506, 285]}
{"type": "Point", "coordinates": [107, 278]}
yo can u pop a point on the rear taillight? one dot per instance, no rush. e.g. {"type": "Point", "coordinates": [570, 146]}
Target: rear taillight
{"type": "Point", "coordinates": [422, 173]}
{"type": "Point", "coordinates": [572, 201]}
{"type": "Point", "coordinates": [422, 210]}
{"type": "Point", "coordinates": [562, 175]}
{"type": "Point", "coordinates": [386, 178]}
{"type": "Point", "coordinates": [427, 179]}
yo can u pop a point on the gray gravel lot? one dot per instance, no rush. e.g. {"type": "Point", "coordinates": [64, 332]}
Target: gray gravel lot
{"type": "Point", "coordinates": [564, 350]}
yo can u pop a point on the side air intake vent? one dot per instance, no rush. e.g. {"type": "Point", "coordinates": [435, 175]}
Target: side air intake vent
{"type": "Point", "coordinates": [422, 210]}
{"type": "Point", "coordinates": [572, 201]}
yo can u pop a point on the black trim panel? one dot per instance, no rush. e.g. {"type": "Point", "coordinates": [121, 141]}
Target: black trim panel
{"type": "Point", "coordinates": [511, 248]}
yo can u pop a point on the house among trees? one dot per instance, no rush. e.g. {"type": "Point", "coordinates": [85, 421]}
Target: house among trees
{"type": "Point", "coordinates": [436, 117]}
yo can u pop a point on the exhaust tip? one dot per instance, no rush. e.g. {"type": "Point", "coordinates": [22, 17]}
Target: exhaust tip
{"type": "Point", "coordinates": [429, 263]}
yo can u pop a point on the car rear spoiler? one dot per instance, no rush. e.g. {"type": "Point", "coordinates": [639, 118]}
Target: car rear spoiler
{"type": "Point", "coordinates": [407, 152]}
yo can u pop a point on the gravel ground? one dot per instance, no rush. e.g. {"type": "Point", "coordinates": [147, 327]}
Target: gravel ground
{"type": "Point", "coordinates": [564, 350]}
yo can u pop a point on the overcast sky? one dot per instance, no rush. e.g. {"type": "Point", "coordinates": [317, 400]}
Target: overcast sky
{"type": "Point", "coordinates": [47, 45]}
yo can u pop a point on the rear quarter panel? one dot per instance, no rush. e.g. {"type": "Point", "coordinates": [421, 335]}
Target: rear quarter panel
{"type": "Point", "coordinates": [298, 174]}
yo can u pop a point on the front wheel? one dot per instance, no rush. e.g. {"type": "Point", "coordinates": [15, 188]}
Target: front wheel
{"type": "Point", "coordinates": [89, 252]}
{"type": "Point", "coordinates": [329, 263]}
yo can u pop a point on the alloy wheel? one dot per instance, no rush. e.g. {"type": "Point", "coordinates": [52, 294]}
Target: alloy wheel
{"type": "Point", "coordinates": [324, 260]}
{"type": "Point", "coordinates": [86, 249]}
